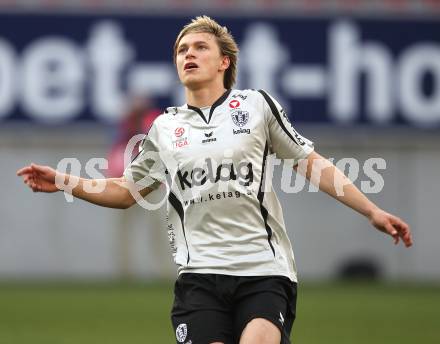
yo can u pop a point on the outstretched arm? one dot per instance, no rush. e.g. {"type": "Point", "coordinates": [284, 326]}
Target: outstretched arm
{"type": "Point", "coordinates": [115, 191]}
{"type": "Point", "coordinates": [333, 182]}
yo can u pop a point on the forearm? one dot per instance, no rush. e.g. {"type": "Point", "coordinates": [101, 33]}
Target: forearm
{"type": "Point", "coordinates": [329, 179]}
{"type": "Point", "coordinates": [111, 193]}
{"type": "Point", "coordinates": [323, 174]}
{"type": "Point", "coordinates": [337, 185]}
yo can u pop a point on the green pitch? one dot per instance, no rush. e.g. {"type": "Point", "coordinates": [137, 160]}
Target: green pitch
{"type": "Point", "coordinates": [110, 314]}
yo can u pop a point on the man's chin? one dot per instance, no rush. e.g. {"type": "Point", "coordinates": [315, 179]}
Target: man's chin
{"type": "Point", "coordinates": [192, 83]}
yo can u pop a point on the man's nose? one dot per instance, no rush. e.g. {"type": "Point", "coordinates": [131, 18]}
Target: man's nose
{"type": "Point", "coordinates": [189, 53]}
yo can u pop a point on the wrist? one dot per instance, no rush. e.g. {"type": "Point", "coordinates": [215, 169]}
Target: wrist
{"type": "Point", "coordinates": [62, 181]}
{"type": "Point", "coordinates": [371, 210]}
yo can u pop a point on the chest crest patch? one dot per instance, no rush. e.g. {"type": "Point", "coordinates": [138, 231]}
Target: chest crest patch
{"type": "Point", "coordinates": [240, 117]}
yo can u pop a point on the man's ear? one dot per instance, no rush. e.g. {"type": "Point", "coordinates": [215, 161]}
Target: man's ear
{"type": "Point", "coordinates": [225, 63]}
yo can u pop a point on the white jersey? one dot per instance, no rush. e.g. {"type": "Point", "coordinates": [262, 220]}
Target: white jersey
{"type": "Point", "coordinates": [220, 219]}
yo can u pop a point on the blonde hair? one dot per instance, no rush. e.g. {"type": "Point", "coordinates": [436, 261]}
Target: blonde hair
{"type": "Point", "coordinates": [228, 46]}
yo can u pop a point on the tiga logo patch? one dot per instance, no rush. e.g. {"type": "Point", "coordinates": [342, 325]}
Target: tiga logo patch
{"type": "Point", "coordinates": [180, 137]}
{"type": "Point", "coordinates": [179, 131]}
{"type": "Point", "coordinates": [180, 143]}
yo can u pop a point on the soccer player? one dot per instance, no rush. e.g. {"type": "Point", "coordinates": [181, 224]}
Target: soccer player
{"type": "Point", "coordinates": [236, 271]}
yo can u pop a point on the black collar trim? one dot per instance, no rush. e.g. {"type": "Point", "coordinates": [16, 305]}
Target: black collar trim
{"type": "Point", "coordinates": [196, 109]}
{"type": "Point", "coordinates": [218, 102]}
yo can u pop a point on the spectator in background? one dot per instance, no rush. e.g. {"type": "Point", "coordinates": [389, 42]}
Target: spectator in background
{"type": "Point", "coordinates": [134, 227]}
{"type": "Point", "coordinates": [138, 119]}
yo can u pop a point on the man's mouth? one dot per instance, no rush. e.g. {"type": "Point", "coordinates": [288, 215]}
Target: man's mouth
{"type": "Point", "coordinates": [190, 65]}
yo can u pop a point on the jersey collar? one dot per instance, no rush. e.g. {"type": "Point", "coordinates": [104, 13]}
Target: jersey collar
{"type": "Point", "coordinates": [218, 102]}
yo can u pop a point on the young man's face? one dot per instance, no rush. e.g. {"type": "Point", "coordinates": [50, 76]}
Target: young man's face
{"type": "Point", "coordinates": [198, 60]}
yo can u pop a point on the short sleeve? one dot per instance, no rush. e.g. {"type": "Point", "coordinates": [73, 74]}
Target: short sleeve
{"type": "Point", "coordinates": [284, 140]}
{"type": "Point", "coordinates": [147, 168]}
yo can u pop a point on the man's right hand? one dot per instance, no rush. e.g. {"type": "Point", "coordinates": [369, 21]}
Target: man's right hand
{"type": "Point", "coordinates": [39, 178]}
{"type": "Point", "coordinates": [116, 193]}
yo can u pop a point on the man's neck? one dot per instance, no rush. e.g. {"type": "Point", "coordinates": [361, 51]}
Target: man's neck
{"type": "Point", "coordinates": [204, 96]}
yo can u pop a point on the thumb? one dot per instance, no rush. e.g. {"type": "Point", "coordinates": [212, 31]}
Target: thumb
{"type": "Point", "coordinates": [39, 168]}
{"type": "Point", "coordinates": [35, 167]}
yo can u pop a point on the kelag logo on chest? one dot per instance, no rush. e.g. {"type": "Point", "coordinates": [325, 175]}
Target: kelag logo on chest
{"type": "Point", "coordinates": [225, 172]}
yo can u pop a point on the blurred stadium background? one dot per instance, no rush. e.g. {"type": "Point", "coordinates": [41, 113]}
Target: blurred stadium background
{"type": "Point", "coordinates": [77, 77]}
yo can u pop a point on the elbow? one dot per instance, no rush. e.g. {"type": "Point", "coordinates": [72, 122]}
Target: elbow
{"type": "Point", "coordinates": [123, 206]}
{"type": "Point", "coordinates": [126, 200]}
{"type": "Point", "coordinates": [127, 203]}
{"type": "Point", "coordinates": [126, 196]}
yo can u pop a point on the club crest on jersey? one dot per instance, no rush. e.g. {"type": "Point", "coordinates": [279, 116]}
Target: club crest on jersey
{"type": "Point", "coordinates": [181, 333]}
{"type": "Point", "coordinates": [240, 117]}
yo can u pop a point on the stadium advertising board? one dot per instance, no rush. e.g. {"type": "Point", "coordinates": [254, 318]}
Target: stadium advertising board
{"type": "Point", "coordinates": [56, 69]}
